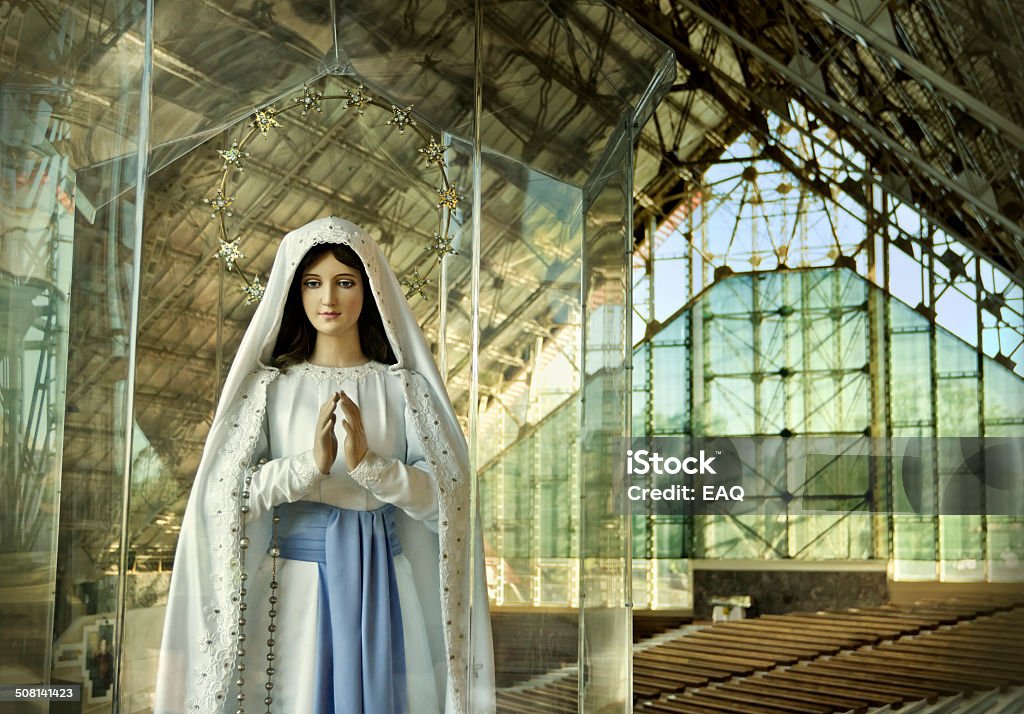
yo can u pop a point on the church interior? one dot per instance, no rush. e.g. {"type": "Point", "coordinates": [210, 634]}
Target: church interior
{"type": "Point", "coordinates": [778, 223]}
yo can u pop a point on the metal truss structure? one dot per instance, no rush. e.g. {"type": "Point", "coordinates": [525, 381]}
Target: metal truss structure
{"type": "Point", "coordinates": [927, 90]}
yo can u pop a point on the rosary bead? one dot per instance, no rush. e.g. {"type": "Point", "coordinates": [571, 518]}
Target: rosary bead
{"type": "Point", "coordinates": [244, 542]}
{"type": "Point", "coordinates": [270, 642]}
{"type": "Point", "coordinates": [275, 552]}
{"type": "Point", "coordinates": [268, 700]}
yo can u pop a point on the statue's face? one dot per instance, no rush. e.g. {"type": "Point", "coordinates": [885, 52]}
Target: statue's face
{"type": "Point", "coordinates": [332, 297]}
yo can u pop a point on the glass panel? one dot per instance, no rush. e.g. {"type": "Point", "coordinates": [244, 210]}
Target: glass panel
{"type": "Point", "coordinates": [72, 111]}
{"type": "Point", "coordinates": [1005, 548]}
{"type": "Point", "coordinates": [35, 283]}
{"type": "Point", "coordinates": [604, 547]}
{"type": "Point", "coordinates": [962, 549]}
{"type": "Point", "coordinates": [671, 400]}
{"type": "Point", "coordinates": [542, 160]}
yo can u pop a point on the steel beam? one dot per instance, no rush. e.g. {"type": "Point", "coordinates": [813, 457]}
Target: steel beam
{"type": "Point", "coordinates": [963, 99]}
{"type": "Point", "coordinates": [854, 118]}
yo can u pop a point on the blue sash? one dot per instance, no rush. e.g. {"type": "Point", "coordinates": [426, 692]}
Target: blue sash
{"type": "Point", "coordinates": [360, 647]}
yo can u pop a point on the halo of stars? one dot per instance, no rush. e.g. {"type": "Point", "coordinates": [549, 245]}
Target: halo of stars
{"type": "Point", "coordinates": [265, 119]}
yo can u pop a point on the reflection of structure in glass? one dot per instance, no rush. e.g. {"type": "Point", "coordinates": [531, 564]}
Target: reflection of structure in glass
{"type": "Point", "coordinates": [37, 226]}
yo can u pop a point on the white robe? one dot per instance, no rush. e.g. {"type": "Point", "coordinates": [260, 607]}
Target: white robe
{"type": "Point", "coordinates": [393, 468]}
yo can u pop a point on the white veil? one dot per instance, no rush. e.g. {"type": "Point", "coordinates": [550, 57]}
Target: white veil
{"type": "Point", "coordinates": [200, 649]}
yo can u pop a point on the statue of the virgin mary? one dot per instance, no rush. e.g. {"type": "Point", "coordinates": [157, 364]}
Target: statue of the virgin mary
{"type": "Point", "coordinates": [326, 567]}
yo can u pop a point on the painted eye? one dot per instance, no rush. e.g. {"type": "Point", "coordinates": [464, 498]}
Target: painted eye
{"type": "Point", "coordinates": [346, 283]}
{"type": "Point", "coordinates": [312, 284]}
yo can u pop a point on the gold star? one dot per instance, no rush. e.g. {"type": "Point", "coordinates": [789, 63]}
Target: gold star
{"type": "Point", "coordinates": [415, 284]}
{"type": "Point", "coordinates": [358, 98]}
{"type": "Point", "coordinates": [253, 291]}
{"type": "Point", "coordinates": [402, 118]}
{"type": "Point", "coordinates": [442, 246]}
{"type": "Point", "coordinates": [233, 156]}
{"type": "Point", "coordinates": [434, 153]}
{"type": "Point", "coordinates": [265, 120]}
{"type": "Point", "coordinates": [448, 197]}
{"type": "Point", "coordinates": [230, 253]}
{"type": "Point", "coordinates": [220, 203]}
{"type": "Point", "coordinates": [309, 100]}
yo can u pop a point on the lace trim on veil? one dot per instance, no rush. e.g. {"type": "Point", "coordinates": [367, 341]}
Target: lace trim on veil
{"type": "Point", "coordinates": [453, 530]}
{"type": "Point", "coordinates": [218, 642]}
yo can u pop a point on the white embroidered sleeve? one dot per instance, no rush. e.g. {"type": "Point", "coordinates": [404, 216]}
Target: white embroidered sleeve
{"type": "Point", "coordinates": [281, 480]}
{"type": "Point", "coordinates": [407, 484]}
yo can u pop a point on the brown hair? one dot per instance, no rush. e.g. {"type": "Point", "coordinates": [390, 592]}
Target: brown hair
{"type": "Point", "coordinates": [297, 336]}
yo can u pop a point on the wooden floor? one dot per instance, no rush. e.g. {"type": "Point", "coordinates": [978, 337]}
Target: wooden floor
{"type": "Point", "coordinates": [812, 663]}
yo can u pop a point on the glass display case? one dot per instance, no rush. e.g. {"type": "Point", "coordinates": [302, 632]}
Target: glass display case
{"type": "Point", "coordinates": [121, 318]}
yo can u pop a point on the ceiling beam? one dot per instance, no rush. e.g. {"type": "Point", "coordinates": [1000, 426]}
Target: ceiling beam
{"type": "Point", "coordinates": [961, 98]}
{"type": "Point", "coordinates": [840, 109]}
